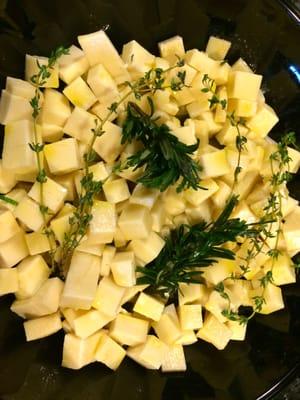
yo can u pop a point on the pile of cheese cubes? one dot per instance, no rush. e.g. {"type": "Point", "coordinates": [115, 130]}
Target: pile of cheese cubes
{"type": "Point", "coordinates": [128, 225]}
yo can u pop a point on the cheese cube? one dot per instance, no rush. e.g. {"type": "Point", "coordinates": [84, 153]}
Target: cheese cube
{"type": "Point", "coordinates": [172, 48]}
{"type": "Point", "coordinates": [8, 225]}
{"type": "Point", "coordinates": [147, 249]}
{"type": "Point", "coordinates": [80, 124]}
{"type": "Point", "coordinates": [212, 126]}
{"type": "Point", "coordinates": [220, 198]}
{"type": "Point", "coordinates": [174, 360]}
{"type": "Point", "coordinates": [70, 315]}
{"type": "Point", "coordinates": [32, 273]}
{"type": "Point", "coordinates": [190, 316]}
{"type": "Point", "coordinates": [17, 155]}
{"type": "Point", "coordinates": [72, 65]}
{"type": "Point", "coordinates": [32, 68]}
{"type": "Point", "coordinates": [20, 88]}
{"type": "Point", "coordinates": [109, 352]}
{"type": "Point", "coordinates": [123, 269]}
{"type": "Point", "coordinates": [149, 306]}
{"type": "Point", "coordinates": [37, 243]}
{"type": "Point", "coordinates": [8, 280]}
{"type": "Point", "coordinates": [294, 163]}
{"type": "Point", "coordinates": [216, 304]}
{"type": "Point", "coordinates": [191, 293]}
{"type": "Point", "coordinates": [242, 108]}
{"type": "Point", "coordinates": [149, 354]}
{"type": "Point", "coordinates": [79, 94]}
{"type": "Point", "coordinates": [13, 250]}
{"type": "Point", "coordinates": [244, 85]}
{"type": "Point", "coordinates": [263, 121]}
{"type": "Point", "coordinates": [174, 202]}
{"type": "Point", "coordinates": [144, 196]}
{"type": "Point", "coordinates": [116, 190]}
{"type": "Point", "coordinates": [56, 108]}
{"type": "Point", "coordinates": [199, 213]}
{"type": "Point", "coordinates": [283, 271]}
{"type": "Point", "coordinates": [60, 226]}
{"type": "Point", "coordinates": [128, 330]}
{"type": "Point", "coordinates": [135, 222]}
{"type": "Point", "coordinates": [45, 301]}
{"type": "Point", "coordinates": [107, 257]}
{"type": "Point", "coordinates": [14, 108]}
{"type": "Point", "coordinates": [196, 197]}
{"type": "Point", "coordinates": [214, 164]}
{"type": "Point", "coordinates": [101, 111]}
{"type": "Point", "coordinates": [54, 194]}
{"type": "Point", "coordinates": [81, 282]}
{"type": "Point", "coordinates": [51, 133]}
{"type": "Point", "coordinates": [238, 330]}
{"type": "Point", "coordinates": [28, 212]}
{"type": "Point", "coordinates": [215, 332]}
{"type": "Point", "coordinates": [90, 322]}
{"type": "Point", "coordinates": [102, 84]}
{"type": "Point", "coordinates": [273, 298]}
{"type": "Point", "coordinates": [131, 292]}
{"type": "Point", "coordinates": [158, 216]}
{"type": "Point", "coordinates": [137, 58]}
{"type": "Point", "coordinates": [217, 48]}
{"type": "Point", "coordinates": [42, 327]}
{"type": "Point", "coordinates": [219, 271]}
{"type": "Point", "coordinates": [108, 296]}
{"type": "Point", "coordinates": [79, 352]}
{"type": "Point", "coordinates": [291, 231]}
{"type": "Point", "coordinates": [108, 145]}
{"type": "Point", "coordinates": [99, 50]}
{"type": "Point", "coordinates": [103, 224]}
{"type": "Point", "coordinates": [62, 157]}
{"type": "Point", "coordinates": [241, 65]}
{"type": "Point", "coordinates": [67, 181]}
{"type": "Point", "coordinates": [185, 134]}
{"type": "Point", "coordinates": [85, 247]}
{"type": "Point", "coordinates": [7, 179]}
{"type": "Point", "coordinates": [167, 329]}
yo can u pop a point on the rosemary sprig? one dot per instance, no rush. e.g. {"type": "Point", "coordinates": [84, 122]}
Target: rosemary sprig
{"type": "Point", "coordinates": [190, 247]}
{"type": "Point", "coordinates": [165, 158]}
{"type": "Point", "coordinates": [8, 200]}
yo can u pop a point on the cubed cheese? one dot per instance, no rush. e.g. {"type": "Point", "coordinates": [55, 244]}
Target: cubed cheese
{"type": "Point", "coordinates": [116, 190]}
{"type": "Point", "coordinates": [7, 179]}
{"type": "Point", "coordinates": [244, 85]}
{"type": "Point", "coordinates": [103, 224]}
{"type": "Point", "coordinates": [42, 327]}
{"type": "Point", "coordinates": [90, 322]}
{"type": "Point", "coordinates": [53, 194]}
{"type": "Point", "coordinates": [14, 108]}
{"type": "Point", "coordinates": [128, 330]}
{"type": "Point", "coordinates": [8, 225]}
{"type": "Point", "coordinates": [190, 316]}
{"type": "Point", "coordinates": [123, 269]}
{"type": "Point", "coordinates": [108, 296]}
{"type": "Point", "coordinates": [263, 121]}
{"type": "Point", "coordinates": [149, 354]}
{"type": "Point", "coordinates": [109, 352]}
{"type": "Point", "coordinates": [215, 332]}
{"type": "Point", "coordinates": [32, 68]}
{"type": "Point", "coordinates": [13, 250]}
{"type": "Point", "coordinates": [79, 94]}
{"type": "Point", "coordinates": [72, 65]}
{"type": "Point", "coordinates": [108, 145]}
{"type": "Point", "coordinates": [149, 306]}
{"type": "Point", "coordinates": [147, 249]}
{"type": "Point", "coordinates": [28, 212]}
{"type": "Point", "coordinates": [167, 329]}
{"type": "Point", "coordinates": [214, 164]}
{"type": "Point", "coordinates": [217, 48]}
{"type": "Point", "coordinates": [135, 222]}
{"type": "Point", "coordinates": [196, 197]}
{"type": "Point", "coordinates": [8, 280]}
{"type": "Point", "coordinates": [174, 360]}
{"type": "Point", "coordinates": [56, 108]}
{"type": "Point", "coordinates": [63, 156]}
{"type": "Point", "coordinates": [37, 243]}
{"type": "Point", "coordinates": [102, 84]}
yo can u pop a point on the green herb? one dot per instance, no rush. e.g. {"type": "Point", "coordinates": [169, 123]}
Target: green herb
{"type": "Point", "coordinates": [8, 200]}
{"type": "Point", "coordinates": [189, 247]}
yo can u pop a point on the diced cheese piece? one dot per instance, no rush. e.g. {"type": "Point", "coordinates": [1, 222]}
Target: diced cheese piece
{"type": "Point", "coordinates": [191, 293]}
{"type": "Point", "coordinates": [167, 329]}
{"type": "Point", "coordinates": [158, 215]}
{"type": "Point", "coordinates": [14, 108]}
{"type": "Point", "coordinates": [79, 352]}
{"type": "Point", "coordinates": [174, 360]}
{"type": "Point", "coordinates": [28, 212]}
{"type": "Point", "coordinates": [70, 315]}
{"type": "Point", "coordinates": [67, 181]}
{"type": "Point", "coordinates": [102, 84]}
{"type": "Point", "coordinates": [108, 145]}
{"type": "Point", "coordinates": [80, 124]}
{"type": "Point", "coordinates": [273, 300]}
{"type": "Point", "coordinates": [294, 163]}
{"type": "Point", "coordinates": [215, 332]}
{"type": "Point", "coordinates": [79, 94]}
{"type": "Point", "coordinates": [107, 257]}
{"type": "Point", "coordinates": [109, 352]}
{"type": "Point", "coordinates": [229, 132]}
{"type": "Point", "coordinates": [174, 202]}
{"type": "Point", "coordinates": [90, 322]}
{"type": "Point", "coordinates": [116, 190]}
{"type": "Point", "coordinates": [103, 224]}
{"type": "Point", "coordinates": [99, 50]}
{"type": "Point", "coordinates": [66, 326]}
{"type": "Point", "coordinates": [45, 301]}
{"type": "Point", "coordinates": [81, 282]}
{"type": "Point", "coordinates": [149, 306]}
{"type": "Point", "coordinates": [283, 271]}
{"type": "Point", "coordinates": [16, 195]}
{"type": "Point", "coordinates": [8, 280]}
{"type": "Point", "coordinates": [147, 249]}
{"type": "Point", "coordinates": [243, 85]}
{"type": "Point", "coordinates": [56, 108]}
{"type": "Point", "coordinates": [51, 133]}
{"type": "Point", "coordinates": [172, 48]}
{"type": "Point", "coordinates": [100, 110]}
{"type": "Point", "coordinates": [72, 65]}
{"type": "Point", "coordinates": [220, 198]}
{"type": "Point", "coordinates": [190, 316]}
{"type": "Point", "coordinates": [135, 222]}
{"type": "Point", "coordinates": [255, 264]}
{"type": "Point", "coordinates": [123, 269]}
{"type": "Point", "coordinates": [217, 48]}
{"type": "Point", "coordinates": [13, 250]}
{"type": "Point", "coordinates": [17, 155]}
{"type": "Point", "coordinates": [196, 108]}
{"type": "Point", "coordinates": [108, 296]}
{"type": "Point", "coordinates": [263, 121]}
{"type": "Point", "coordinates": [185, 134]}
{"type": "Point", "coordinates": [291, 230]}
{"type": "Point", "coordinates": [196, 214]}
{"type": "Point", "coordinates": [119, 238]}
{"type": "Point", "coordinates": [214, 164]}
{"type": "Point", "coordinates": [63, 156]}
{"type": "Point", "coordinates": [60, 226]}
{"type": "Point", "coordinates": [37, 243]}
{"type": "Point", "coordinates": [54, 194]}
{"type": "Point", "coordinates": [42, 327]}
{"type": "Point", "coordinates": [20, 88]}
{"type": "Point", "coordinates": [243, 212]}
{"type": "Point", "coordinates": [149, 354]}
{"type": "Point", "coordinates": [100, 171]}
{"type": "Point", "coordinates": [242, 108]}
{"type": "Point", "coordinates": [137, 58]}
{"type": "Point", "coordinates": [220, 270]}
{"type": "Point", "coordinates": [8, 225]}
{"type": "Point", "coordinates": [7, 179]}
{"type": "Point", "coordinates": [128, 330]}
{"type": "Point", "coordinates": [32, 68]}
{"type": "Point", "coordinates": [85, 247]}
{"type": "Point", "coordinates": [131, 292]}
{"type": "Point", "coordinates": [241, 65]}
{"type": "Point", "coordinates": [33, 271]}
{"type": "Point", "coordinates": [187, 337]}
{"type": "Point", "coordinates": [212, 126]}
{"type": "Point", "coordinates": [144, 196]}
{"type": "Point", "coordinates": [240, 292]}
{"type": "Point", "coordinates": [238, 330]}
{"type": "Point", "coordinates": [196, 197]}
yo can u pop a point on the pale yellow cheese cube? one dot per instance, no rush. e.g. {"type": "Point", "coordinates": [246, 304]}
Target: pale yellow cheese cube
{"type": "Point", "coordinates": [191, 293]}
{"type": "Point", "coordinates": [90, 322]}
{"type": "Point", "coordinates": [174, 202]}
{"type": "Point", "coordinates": [137, 58]}
{"type": "Point", "coordinates": [81, 282]}
{"type": "Point", "coordinates": [107, 257]}
{"type": "Point", "coordinates": [242, 107]}
{"type": "Point", "coordinates": [196, 197]}
{"type": "Point", "coordinates": [123, 269]}
{"type": "Point", "coordinates": [128, 330]}
{"type": "Point", "coordinates": [187, 337]}
{"type": "Point", "coordinates": [158, 216]}
{"type": "Point", "coordinates": [102, 83]}
{"type": "Point", "coordinates": [33, 271]}
{"type": "Point", "coordinates": [28, 212]}
{"type": "Point", "coordinates": [14, 108]}
{"type": "Point", "coordinates": [219, 271]}
{"type": "Point", "coordinates": [263, 121]}
{"type": "Point", "coordinates": [51, 133]}
{"type": "Point", "coordinates": [217, 48]}
{"type": "Point", "coordinates": [60, 226]}
{"type": "Point", "coordinates": [7, 179]}
{"type": "Point", "coordinates": [80, 124]}
{"type": "Point", "coordinates": [144, 196]}
{"type": "Point", "coordinates": [70, 315]}
{"type": "Point", "coordinates": [213, 127]}
{"type": "Point", "coordinates": [131, 292]}
{"type": "Point", "coordinates": [54, 194]}
{"type": "Point", "coordinates": [149, 354]}
{"type": "Point", "coordinates": [147, 249]}
{"type": "Point", "coordinates": [238, 330]}
{"type": "Point", "coordinates": [103, 224]}
{"type": "Point", "coordinates": [13, 250]}
{"type": "Point", "coordinates": [100, 171]}
{"type": "Point", "coordinates": [8, 281]}
{"type": "Point", "coordinates": [37, 243]}
{"type": "Point", "coordinates": [190, 316]}
{"type": "Point", "coordinates": [241, 65]}
{"type": "Point", "coordinates": [67, 181]}
{"type": "Point", "coordinates": [42, 327]}
{"type": "Point", "coordinates": [149, 306]}
{"type": "Point", "coordinates": [45, 301]}
{"type": "Point", "coordinates": [79, 94]}
{"type": "Point", "coordinates": [21, 88]}
{"type": "Point", "coordinates": [119, 238]}
{"type": "Point", "coordinates": [174, 360]}
{"type": "Point", "coordinates": [220, 198]}
{"type": "Point", "coordinates": [108, 145]}
{"type": "Point", "coordinates": [56, 108]}
{"type": "Point", "coordinates": [109, 352]}
{"type": "Point", "coordinates": [172, 48]}
{"type": "Point", "coordinates": [62, 157]}
{"type": "Point", "coordinates": [215, 332]}
{"type": "Point", "coordinates": [32, 68]}
{"type": "Point", "coordinates": [72, 65]}
{"type": "Point", "coordinates": [116, 190]}
{"type": "Point", "coordinates": [135, 222]}
{"type": "Point", "coordinates": [214, 164]}
{"type": "Point", "coordinates": [100, 110]}
{"type": "Point", "coordinates": [8, 225]}
{"type": "Point", "coordinates": [108, 296]}
{"type": "Point", "coordinates": [199, 213]}
{"type": "Point", "coordinates": [294, 163]}
{"type": "Point", "coordinates": [291, 230]}
{"type": "Point", "coordinates": [244, 85]}
{"type": "Point", "coordinates": [283, 271]}
{"type": "Point", "coordinates": [273, 300]}
{"type": "Point", "coordinates": [167, 329]}
{"type": "Point", "coordinates": [185, 134]}
{"type": "Point", "coordinates": [216, 304]}
{"type": "Point", "coordinates": [85, 247]}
